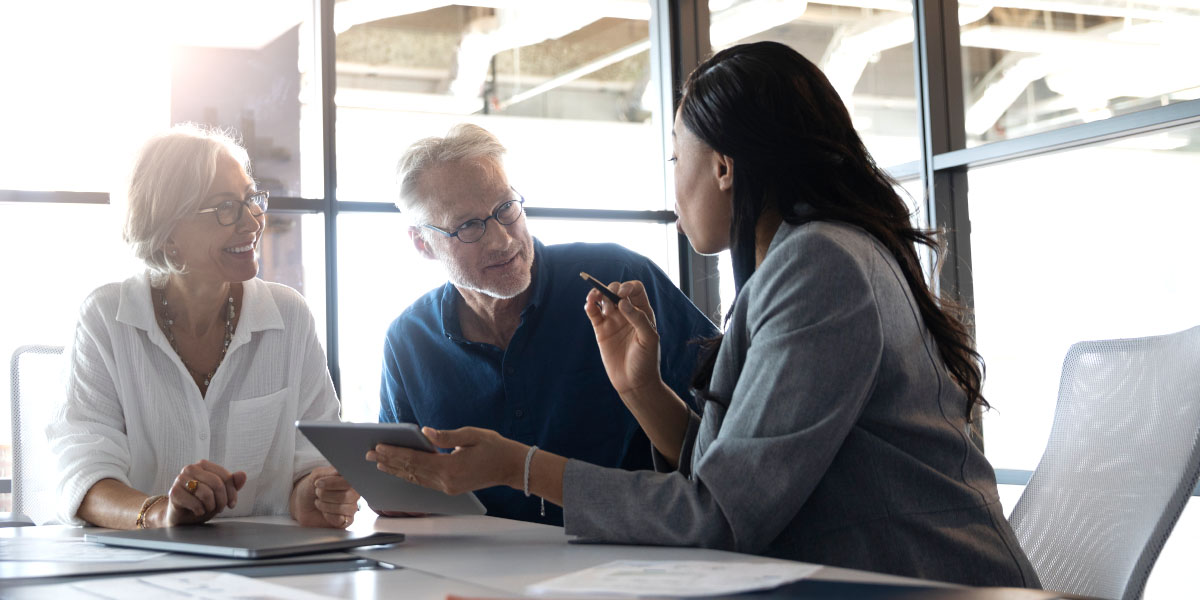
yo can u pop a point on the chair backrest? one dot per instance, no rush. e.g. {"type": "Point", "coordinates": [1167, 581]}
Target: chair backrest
{"type": "Point", "coordinates": [1123, 456]}
{"type": "Point", "coordinates": [36, 387]}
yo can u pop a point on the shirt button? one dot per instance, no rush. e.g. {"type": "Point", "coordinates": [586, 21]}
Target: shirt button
{"type": "Point", "coordinates": [203, 435]}
{"type": "Point", "coordinates": [519, 413]}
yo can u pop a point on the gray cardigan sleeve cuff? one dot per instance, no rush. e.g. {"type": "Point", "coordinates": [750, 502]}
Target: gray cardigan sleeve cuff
{"type": "Point", "coordinates": [685, 452]}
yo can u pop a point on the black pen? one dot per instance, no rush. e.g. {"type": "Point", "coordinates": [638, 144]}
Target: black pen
{"type": "Point", "coordinates": [600, 286]}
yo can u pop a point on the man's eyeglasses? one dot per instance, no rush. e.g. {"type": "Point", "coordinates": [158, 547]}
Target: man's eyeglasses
{"type": "Point", "coordinates": [472, 231]}
{"type": "Point", "coordinates": [230, 212]}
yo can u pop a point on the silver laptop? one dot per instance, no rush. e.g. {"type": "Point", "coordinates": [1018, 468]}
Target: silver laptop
{"type": "Point", "coordinates": [239, 539]}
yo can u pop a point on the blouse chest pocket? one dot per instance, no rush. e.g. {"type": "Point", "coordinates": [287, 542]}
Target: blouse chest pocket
{"type": "Point", "coordinates": [254, 424]}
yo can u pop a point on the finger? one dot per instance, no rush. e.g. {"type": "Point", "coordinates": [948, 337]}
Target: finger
{"type": "Point", "coordinates": [239, 479]}
{"type": "Point", "coordinates": [183, 500]}
{"type": "Point", "coordinates": [642, 322]}
{"type": "Point", "coordinates": [336, 508]}
{"type": "Point", "coordinates": [338, 521]}
{"type": "Point", "coordinates": [332, 483]}
{"type": "Point", "coordinates": [222, 481]}
{"type": "Point", "coordinates": [323, 472]}
{"type": "Point", "coordinates": [591, 307]}
{"type": "Point", "coordinates": [397, 456]}
{"type": "Point", "coordinates": [635, 293]}
{"type": "Point", "coordinates": [453, 438]}
{"type": "Point", "coordinates": [218, 483]}
{"type": "Point", "coordinates": [340, 497]}
{"type": "Point", "coordinates": [206, 482]}
{"type": "Point", "coordinates": [389, 462]}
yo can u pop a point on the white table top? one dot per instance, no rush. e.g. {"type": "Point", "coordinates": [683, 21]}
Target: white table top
{"type": "Point", "coordinates": [474, 556]}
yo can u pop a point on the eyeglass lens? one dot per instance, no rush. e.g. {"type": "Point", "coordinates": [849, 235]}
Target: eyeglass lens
{"type": "Point", "coordinates": [506, 214]}
{"type": "Point", "coordinates": [230, 212]}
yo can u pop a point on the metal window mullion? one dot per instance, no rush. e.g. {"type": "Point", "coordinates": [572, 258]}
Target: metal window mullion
{"type": "Point", "coordinates": [680, 30]}
{"type": "Point", "coordinates": [1150, 120]}
{"type": "Point", "coordinates": [938, 66]}
{"type": "Point", "coordinates": [329, 162]}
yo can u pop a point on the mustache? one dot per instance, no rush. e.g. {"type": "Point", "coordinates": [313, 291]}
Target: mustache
{"type": "Point", "coordinates": [500, 256]}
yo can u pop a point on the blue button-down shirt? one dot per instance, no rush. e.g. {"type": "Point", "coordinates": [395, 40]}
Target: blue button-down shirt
{"type": "Point", "coordinates": [549, 386]}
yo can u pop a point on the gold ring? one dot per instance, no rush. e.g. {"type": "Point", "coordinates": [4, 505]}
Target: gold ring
{"type": "Point", "coordinates": [190, 486]}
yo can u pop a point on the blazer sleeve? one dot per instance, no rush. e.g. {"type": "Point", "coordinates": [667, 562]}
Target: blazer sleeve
{"type": "Point", "coordinates": [87, 435]}
{"type": "Point", "coordinates": [813, 343]}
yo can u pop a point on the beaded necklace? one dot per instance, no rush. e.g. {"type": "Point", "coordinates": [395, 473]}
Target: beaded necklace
{"type": "Point", "coordinates": [166, 320]}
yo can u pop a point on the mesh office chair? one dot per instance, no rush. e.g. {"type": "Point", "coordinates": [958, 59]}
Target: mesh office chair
{"type": "Point", "coordinates": [1123, 457]}
{"type": "Point", "coordinates": [35, 386]}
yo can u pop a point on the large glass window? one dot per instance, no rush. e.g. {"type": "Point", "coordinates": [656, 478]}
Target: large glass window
{"type": "Point", "coordinates": [565, 90]}
{"type": "Point", "coordinates": [1062, 253]}
{"type": "Point", "coordinates": [95, 79]}
{"type": "Point", "coordinates": [85, 84]}
{"type": "Point", "coordinates": [865, 49]}
{"type": "Point", "coordinates": [1047, 64]}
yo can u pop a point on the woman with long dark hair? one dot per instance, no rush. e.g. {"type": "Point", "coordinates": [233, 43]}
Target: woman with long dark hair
{"type": "Point", "coordinates": [835, 406]}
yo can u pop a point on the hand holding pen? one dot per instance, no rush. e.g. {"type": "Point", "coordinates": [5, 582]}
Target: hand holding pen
{"type": "Point", "coordinates": [626, 334]}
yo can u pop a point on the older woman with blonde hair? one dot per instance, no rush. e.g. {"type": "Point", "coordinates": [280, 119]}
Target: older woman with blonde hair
{"type": "Point", "coordinates": [185, 379]}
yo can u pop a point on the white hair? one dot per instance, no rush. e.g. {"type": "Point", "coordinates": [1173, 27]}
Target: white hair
{"type": "Point", "coordinates": [463, 142]}
{"type": "Point", "coordinates": [170, 176]}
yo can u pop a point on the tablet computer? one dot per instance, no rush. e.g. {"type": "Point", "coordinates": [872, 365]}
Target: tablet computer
{"type": "Point", "coordinates": [346, 444]}
{"type": "Point", "coordinates": [241, 539]}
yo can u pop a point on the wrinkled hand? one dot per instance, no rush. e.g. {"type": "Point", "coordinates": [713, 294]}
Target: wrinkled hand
{"type": "Point", "coordinates": [627, 337]}
{"type": "Point", "coordinates": [215, 490]}
{"type": "Point", "coordinates": [325, 499]}
{"type": "Point", "coordinates": [481, 458]}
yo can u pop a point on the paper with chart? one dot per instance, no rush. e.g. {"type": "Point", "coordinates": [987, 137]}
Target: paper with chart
{"type": "Point", "coordinates": [674, 578]}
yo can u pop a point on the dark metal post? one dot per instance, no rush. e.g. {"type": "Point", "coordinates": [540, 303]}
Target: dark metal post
{"type": "Point", "coordinates": [679, 30]}
{"type": "Point", "coordinates": [938, 62]}
{"type": "Point", "coordinates": [328, 134]}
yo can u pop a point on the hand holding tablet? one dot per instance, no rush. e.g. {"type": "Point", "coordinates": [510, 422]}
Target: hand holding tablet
{"type": "Point", "coordinates": [345, 445]}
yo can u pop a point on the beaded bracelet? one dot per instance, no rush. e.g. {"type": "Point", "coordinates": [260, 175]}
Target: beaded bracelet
{"type": "Point", "coordinates": [529, 461]}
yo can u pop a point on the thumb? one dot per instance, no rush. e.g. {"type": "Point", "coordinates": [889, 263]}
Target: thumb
{"type": "Point", "coordinates": [239, 479]}
{"type": "Point", "coordinates": [465, 436]}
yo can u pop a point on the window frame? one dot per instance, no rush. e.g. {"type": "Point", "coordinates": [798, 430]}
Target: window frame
{"type": "Point", "coordinates": [679, 33]}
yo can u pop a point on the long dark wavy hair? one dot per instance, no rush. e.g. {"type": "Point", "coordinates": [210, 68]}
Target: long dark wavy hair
{"type": "Point", "coordinates": [793, 144]}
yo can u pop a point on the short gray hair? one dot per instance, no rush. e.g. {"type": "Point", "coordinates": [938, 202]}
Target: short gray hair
{"type": "Point", "coordinates": [463, 141]}
{"type": "Point", "coordinates": [170, 175]}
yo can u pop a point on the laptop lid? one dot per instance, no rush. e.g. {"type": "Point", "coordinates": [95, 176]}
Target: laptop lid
{"type": "Point", "coordinates": [241, 539]}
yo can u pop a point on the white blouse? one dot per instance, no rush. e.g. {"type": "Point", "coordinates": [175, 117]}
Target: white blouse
{"type": "Point", "coordinates": [133, 413]}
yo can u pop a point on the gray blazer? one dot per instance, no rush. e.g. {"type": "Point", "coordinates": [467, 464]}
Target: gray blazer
{"type": "Point", "coordinates": [831, 434]}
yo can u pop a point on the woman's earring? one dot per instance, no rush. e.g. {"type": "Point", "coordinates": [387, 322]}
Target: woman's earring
{"type": "Point", "coordinates": [174, 252]}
